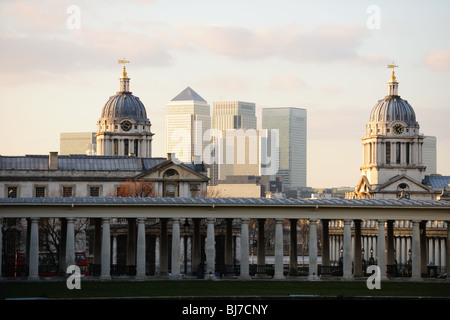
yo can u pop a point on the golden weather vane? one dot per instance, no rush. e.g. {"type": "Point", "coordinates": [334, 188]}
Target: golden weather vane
{"type": "Point", "coordinates": [392, 66]}
{"type": "Point", "coordinates": [123, 61]}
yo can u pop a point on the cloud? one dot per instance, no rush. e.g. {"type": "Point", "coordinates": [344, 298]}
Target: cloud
{"type": "Point", "coordinates": [325, 43]}
{"type": "Point", "coordinates": [285, 81]}
{"type": "Point", "coordinates": [438, 60]}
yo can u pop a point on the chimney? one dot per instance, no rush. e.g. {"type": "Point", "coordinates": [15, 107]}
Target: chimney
{"type": "Point", "coordinates": [170, 156]}
{"type": "Point", "coordinates": [53, 161]}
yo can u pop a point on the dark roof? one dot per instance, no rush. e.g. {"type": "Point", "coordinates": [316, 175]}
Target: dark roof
{"type": "Point", "coordinates": [436, 181]}
{"type": "Point", "coordinates": [124, 105]}
{"type": "Point", "coordinates": [79, 162]}
{"type": "Point", "coordinates": [230, 201]}
{"type": "Point", "coordinates": [188, 95]}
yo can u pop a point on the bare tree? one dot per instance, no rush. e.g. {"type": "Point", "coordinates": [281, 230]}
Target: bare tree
{"type": "Point", "coordinates": [136, 188]}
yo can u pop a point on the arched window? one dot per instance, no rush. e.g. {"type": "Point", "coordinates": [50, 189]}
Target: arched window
{"type": "Point", "coordinates": [170, 183]}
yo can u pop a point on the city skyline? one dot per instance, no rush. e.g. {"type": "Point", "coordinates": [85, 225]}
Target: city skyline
{"type": "Point", "coordinates": [327, 58]}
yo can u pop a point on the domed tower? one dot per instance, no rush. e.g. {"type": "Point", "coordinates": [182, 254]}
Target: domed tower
{"type": "Point", "coordinates": [392, 147]}
{"type": "Point", "coordinates": [123, 127]}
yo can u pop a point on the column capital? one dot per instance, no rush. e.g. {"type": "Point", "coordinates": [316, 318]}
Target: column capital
{"type": "Point", "coordinates": [141, 220]}
{"type": "Point", "coordinates": [210, 220]}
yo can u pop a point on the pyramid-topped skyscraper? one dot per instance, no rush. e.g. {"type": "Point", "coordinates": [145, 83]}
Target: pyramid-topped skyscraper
{"type": "Point", "coordinates": [188, 118]}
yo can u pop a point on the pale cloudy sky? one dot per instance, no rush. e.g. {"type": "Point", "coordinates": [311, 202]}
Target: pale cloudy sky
{"type": "Point", "coordinates": [329, 57]}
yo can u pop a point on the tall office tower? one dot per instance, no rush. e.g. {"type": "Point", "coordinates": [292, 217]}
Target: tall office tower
{"type": "Point", "coordinates": [238, 151]}
{"type": "Point", "coordinates": [291, 123]}
{"type": "Point", "coordinates": [429, 155]}
{"type": "Point", "coordinates": [77, 143]}
{"type": "Point", "coordinates": [188, 118]}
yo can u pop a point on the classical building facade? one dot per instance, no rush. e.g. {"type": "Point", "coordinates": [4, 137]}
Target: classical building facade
{"type": "Point", "coordinates": [123, 165]}
{"type": "Point", "coordinates": [393, 149]}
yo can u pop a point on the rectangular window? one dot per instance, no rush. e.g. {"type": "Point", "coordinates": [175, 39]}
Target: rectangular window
{"type": "Point", "coordinates": [116, 147]}
{"type": "Point", "coordinates": [12, 192]}
{"type": "Point", "coordinates": [407, 153]}
{"type": "Point", "coordinates": [398, 153]}
{"type": "Point", "coordinates": [39, 192]}
{"type": "Point", "coordinates": [94, 191]}
{"type": "Point", "coordinates": [136, 148]}
{"type": "Point", "coordinates": [67, 191]}
{"type": "Point", "coordinates": [125, 153]}
{"type": "Point", "coordinates": [388, 152]}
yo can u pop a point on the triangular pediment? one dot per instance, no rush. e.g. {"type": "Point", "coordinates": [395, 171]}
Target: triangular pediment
{"type": "Point", "coordinates": [398, 183]}
{"type": "Point", "coordinates": [177, 172]}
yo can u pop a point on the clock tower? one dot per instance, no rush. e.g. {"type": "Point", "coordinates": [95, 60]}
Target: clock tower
{"type": "Point", "coordinates": [123, 128]}
{"type": "Point", "coordinates": [392, 149]}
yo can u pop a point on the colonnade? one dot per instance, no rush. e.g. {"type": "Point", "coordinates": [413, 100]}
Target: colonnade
{"type": "Point", "coordinates": [351, 216]}
{"type": "Point", "coordinates": [349, 246]}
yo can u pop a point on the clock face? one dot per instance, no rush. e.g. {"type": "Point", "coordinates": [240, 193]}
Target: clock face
{"type": "Point", "coordinates": [398, 129]}
{"type": "Point", "coordinates": [126, 125]}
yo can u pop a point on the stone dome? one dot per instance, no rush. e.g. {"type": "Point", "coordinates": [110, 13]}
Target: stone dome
{"type": "Point", "coordinates": [124, 105]}
{"type": "Point", "coordinates": [393, 108]}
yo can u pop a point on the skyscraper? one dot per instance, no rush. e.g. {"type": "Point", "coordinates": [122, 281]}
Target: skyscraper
{"type": "Point", "coordinates": [188, 118]}
{"type": "Point", "coordinates": [235, 124]}
{"type": "Point", "coordinates": [291, 123]}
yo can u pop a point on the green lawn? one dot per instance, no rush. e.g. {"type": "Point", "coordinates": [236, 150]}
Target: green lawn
{"type": "Point", "coordinates": [12, 289]}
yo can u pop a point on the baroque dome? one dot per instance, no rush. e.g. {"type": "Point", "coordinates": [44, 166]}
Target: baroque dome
{"type": "Point", "coordinates": [393, 108]}
{"type": "Point", "coordinates": [124, 105]}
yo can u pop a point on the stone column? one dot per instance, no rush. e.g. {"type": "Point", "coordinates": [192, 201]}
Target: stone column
{"type": "Point", "coordinates": [447, 252]}
{"type": "Point", "coordinates": [325, 243]}
{"type": "Point", "coordinates": [33, 260]}
{"type": "Point", "coordinates": [141, 253]}
{"type": "Point", "coordinates": [176, 270]}
{"type": "Point", "coordinates": [261, 242]}
{"type": "Point", "coordinates": [70, 243]}
{"type": "Point", "coordinates": [278, 249]}
{"type": "Point", "coordinates": [312, 249]}
{"type": "Point", "coordinates": [106, 250]}
{"type": "Point", "coordinates": [358, 272]}
{"type": "Point", "coordinates": [244, 249]}
{"type": "Point", "coordinates": [381, 248]}
{"type": "Point", "coordinates": [347, 255]}
{"type": "Point", "coordinates": [163, 250]}
{"type": "Point", "coordinates": [293, 271]}
{"type": "Point", "coordinates": [210, 248]}
{"type": "Point", "coordinates": [415, 251]}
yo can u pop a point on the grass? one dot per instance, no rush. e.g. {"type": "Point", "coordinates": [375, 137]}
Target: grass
{"type": "Point", "coordinates": [186, 288]}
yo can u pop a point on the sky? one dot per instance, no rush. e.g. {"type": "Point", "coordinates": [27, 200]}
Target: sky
{"type": "Point", "coordinates": [58, 67]}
